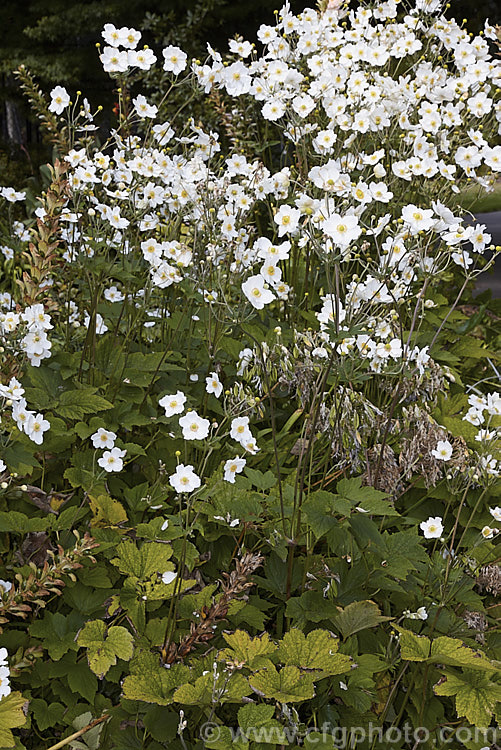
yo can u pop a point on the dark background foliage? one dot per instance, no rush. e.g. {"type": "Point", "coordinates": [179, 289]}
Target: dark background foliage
{"type": "Point", "coordinates": [56, 40]}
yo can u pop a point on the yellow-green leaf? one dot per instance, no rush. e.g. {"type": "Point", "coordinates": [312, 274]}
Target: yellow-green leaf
{"type": "Point", "coordinates": [105, 646]}
{"type": "Point", "coordinates": [316, 651]}
{"type": "Point", "coordinates": [201, 692]}
{"type": "Point", "coordinates": [476, 696]}
{"type": "Point", "coordinates": [11, 716]}
{"type": "Point", "coordinates": [142, 563]}
{"type": "Point", "coordinates": [250, 651]}
{"type": "Point", "coordinates": [156, 684]}
{"type": "Point", "coordinates": [106, 511]}
{"type": "Point", "coordinates": [286, 686]}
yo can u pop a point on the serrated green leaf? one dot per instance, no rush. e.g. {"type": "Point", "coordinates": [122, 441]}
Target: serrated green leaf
{"type": "Point", "coordinates": [106, 511]}
{"type": "Point", "coordinates": [142, 563]}
{"type": "Point", "coordinates": [222, 738]}
{"type": "Point", "coordinates": [76, 404]}
{"type": "Point", "coordinates": [155, 684]}
{"type": "Point", "coordinates": [317, 651]}
{"type": "Point", "coordinates": [453, 652]}
{"type": "Point", "coordinates": [200, 693]}
{"type": "Point", "coordinates": [442, 650]}
{"type": "Point", "coordinates": [46, 714]}
{"type": "Point", "coordinates": [161, 724]}
{"type": "Point", "coordinates": [13, 521]}
{"type": "Point", "coordinates": [105, 646]}
{"type": "Point", "coordinates": [476, 696]}
{"type": "Point", "coordinates": [247, 650]}
{"type": "Point", "coordinates": [286, 686]}
{"type": "Point", "coordinates": [11, 716]}
{"type": "Point", "coordinates": [253, 715]}
{"type": "Point", "coordinates": [56, 633]}
{"type": "Point", "coordinates": [358, 616]}
{"type": "Point", "coordinates": [82, 681]}
{"type": "Point", "coordinates": [413, 647]}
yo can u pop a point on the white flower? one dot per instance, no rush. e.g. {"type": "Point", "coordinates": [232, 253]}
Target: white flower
{"type": "Point", "coordinates": [239, 430]}
{"type": "Point", "coordinates": [185, 479]}
{"type": "Point", "coordinates": [287, 219]}
{"type": "Point", "coordinates": [343, 230]}
{"type": "Point", "coordinates": [417, 219]}
{"type": "Point", "coordinates": [6, 586]}
{"type": "Point", "coordinates": [112, 35]}
{"type": "Point", "coordinates": [114, 61]}
{"type": "Point", "coordinates": [432, 528]}
{"type": "Point", "coordinates": [112, 460]}
{"type": "Point", "coordinates": [60, 99]}
{"type": "Point", "coordinates": [173, 404]}
{"type": "Point", "coordinates": [256, 292]}
{"type": "Point", "coordinates": [2, 466]}
{"type": "Point", "coordinates": [443, 451]}
{"type": "Point", "coordinates": [168, 576]}
{"type": "Point", "coordinates": [496, 513]}
{"type": "Point", "coordinates": [142, 107]}
{"type": "Point", "coordinates": [233, 466]}
{"type": "Point", "coordinates": [485, 435]}
{"type": "Point", "coordinates": [113, 295]}
{"type": "Point", "coordinates": [129, 37]}
{"type": "Point", "coordinates": [36, 427]}
{"type": "Point", "coordinates": [213, 384]}
{"type": "Point", "coordinates": [273, 109]}
{"type": "Point", "coordinates": [4, 674]}
{"type": "Point", "coordinates": [193, 426]}
{"type": "Point", "coordinates": [422, 613]}
{"type": "Point", "coordinates": [488, 533]}
{"type": "Point", "coordinates": [174, 59]}
{"type": "Point", "coordinates": [103, 438]}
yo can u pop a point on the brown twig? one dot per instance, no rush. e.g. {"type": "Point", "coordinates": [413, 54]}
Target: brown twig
{"type": "Point", "coordinates": [235, 584]}
{"type": "Point", "coordinates": [93, 723]}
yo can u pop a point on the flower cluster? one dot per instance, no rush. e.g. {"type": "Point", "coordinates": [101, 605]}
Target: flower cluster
{"type": "Point", "coordinates": [112, 459]}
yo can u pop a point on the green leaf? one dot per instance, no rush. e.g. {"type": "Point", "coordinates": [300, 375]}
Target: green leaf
{"type": "Point", "coordinates": [286, 686]}
{"type": "Point", "coordinates": [476, 696]}
{"type": "Point", "coordinates": [413, 647]}
{"type": "Point", "coordinates": [200, 693]}
{"type": "Point", "coordinates": [56, 633]}
{"type": "Point", "coordinates": [105, 647]}
{"type": "Point", "coordinates": [253, 715]}
{"type": "Point", "coordinates": [316, 651]}
{"type": "Point", "coordinates": [319, 510]}
{"type": "Point", "coordinates": [46, 714]}
{"type": "Point", "coordinates": [142, 563]}
{"type": "Point", "coordinates": [358, 616]}
{"type": "Point", "coordinates": [247, 650]}
{"type": "Point", "coordinates": [13, 521]}
{"type": "Point", "coordinates": [76, 404]}
{"type": "Point", "coordinates": [375, 506]}
{"type": "Point", "coordinates": [453, 652]}
{"type": "Point", "coordinates": [161, 724]}
{"type": "Point", "coordinates": [353, 490]}
{"type": "Point", "coordinates": [106, 511]}
{"type": "Point", "coordinates": [222, 738]}
{"type": "Point", "coordinates": [11, 716]}
{"type": "Point", "coordinates": [257, 724]}
{"type": "Point", "coordinates": [442, 650]}
{"type": "Point", "coordinates": [19, 459]}
{"type": "Point", "coordinates": [155, 684]}
{"type": "Point", "coordinates": [260, 480]}
{"type": "Point", "coordinates": [78, 477]}
{"type": "Point", "coordinates": [82, 681]}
